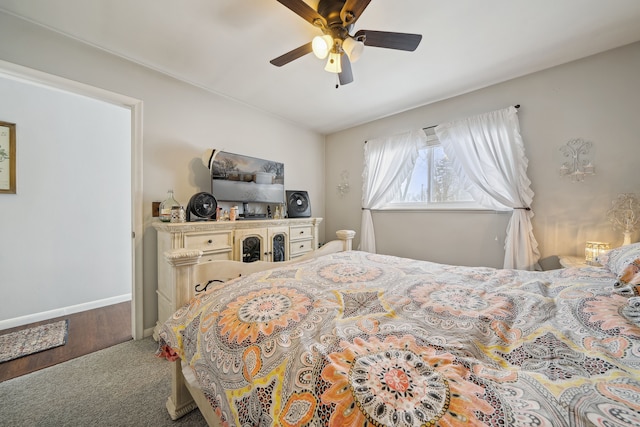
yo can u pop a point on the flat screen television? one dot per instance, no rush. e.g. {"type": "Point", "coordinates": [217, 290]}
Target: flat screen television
{"type": "Point", "coordinates": [245, 179]}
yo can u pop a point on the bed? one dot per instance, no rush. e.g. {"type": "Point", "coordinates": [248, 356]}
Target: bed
{"type": "Point", "coordinates": [349, 338]}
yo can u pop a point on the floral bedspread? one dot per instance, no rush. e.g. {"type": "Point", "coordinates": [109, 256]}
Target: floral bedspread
{"type": "Point", "coordinates": [355, 339]}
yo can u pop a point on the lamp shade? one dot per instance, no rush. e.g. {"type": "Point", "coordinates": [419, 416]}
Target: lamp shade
{"type": "Point", "coordinates": [333, 63]}
{"type": "Point", "coordinates": [322, 45]}
{"type": "Point", "coordinates": [594, 249]}
{"type": "Point", "coordinates": [352, 48]}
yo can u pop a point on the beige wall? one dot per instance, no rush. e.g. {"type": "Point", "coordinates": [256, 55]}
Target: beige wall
{"type": "Point", "coordinates": [180, 122]}
{"type": "Point", "coordinates": [595, 99]}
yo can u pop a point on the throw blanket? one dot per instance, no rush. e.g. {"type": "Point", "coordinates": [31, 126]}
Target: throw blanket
{"type": "Point", "coordinates": [355, 339]}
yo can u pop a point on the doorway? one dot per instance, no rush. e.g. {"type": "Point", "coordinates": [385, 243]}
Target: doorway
{"type": "Point", "coordinates": [61, 222]}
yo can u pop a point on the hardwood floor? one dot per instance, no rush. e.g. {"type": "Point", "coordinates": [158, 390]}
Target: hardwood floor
{"type": "Point", "coordinates": [89, 331]}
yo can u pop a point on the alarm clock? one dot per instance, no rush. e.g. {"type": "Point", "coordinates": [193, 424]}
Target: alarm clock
{"type": "Point", "coordinates": [202, 207]}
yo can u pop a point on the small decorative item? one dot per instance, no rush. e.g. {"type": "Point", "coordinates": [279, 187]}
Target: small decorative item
{"type": "Point", "coordinates": [7, 158]}
{"type": "Point", "coordinates": [278, 213]}
{"type": "Point", "coordinates": [579, 165]}
{"type": "Point", "coordinates": [594, 249]}
{"type": "Point", "coordinates": [624, 214]}
{"type": "Point", "coordinates": [178, 214]}
{"type": "Point", "coordinates": [233, 214]}
{"type": "Point", "coordinates": [166, 206]}
{"type": "Point", "coordinates": [343, 187]}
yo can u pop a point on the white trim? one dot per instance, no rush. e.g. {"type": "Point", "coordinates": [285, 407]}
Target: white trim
{"type": "Point", "coordinates": [18, 72]}
{"type": "Point", "coordinates": [64, 311]}
{"type": "Point", "coordinates": [435, 206]}
{"type": "Point", "coordinates": [440, 209]}
{"type": "Point", "coordinates": [32, 76]}
{"type": "Point", "coordinates": [148, 332]}
{"type": "Point", "coordinates": [137, 306]}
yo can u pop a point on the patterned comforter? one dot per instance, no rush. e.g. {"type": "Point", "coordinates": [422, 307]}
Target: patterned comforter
{"type": "Point", "coordinates": [355, 339]}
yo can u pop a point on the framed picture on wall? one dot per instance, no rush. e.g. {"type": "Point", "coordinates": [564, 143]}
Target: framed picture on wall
{"type": "Point", "coordinates": [7, 158]}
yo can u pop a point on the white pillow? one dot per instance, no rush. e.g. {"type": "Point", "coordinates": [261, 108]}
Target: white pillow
{"type": "Point", "coordinates": [616, 260]}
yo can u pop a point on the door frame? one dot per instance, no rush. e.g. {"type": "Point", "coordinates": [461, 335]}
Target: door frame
{"type": "Point", "coordinates": [135, 107]}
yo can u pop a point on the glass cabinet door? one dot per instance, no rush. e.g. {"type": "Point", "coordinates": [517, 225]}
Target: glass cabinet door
{"type": "Point", "coordinates": [263, 244]}
{"type": "Point", "coordinates": [278, 247]}
{"type": "Point", "coordinates": [251, 249]}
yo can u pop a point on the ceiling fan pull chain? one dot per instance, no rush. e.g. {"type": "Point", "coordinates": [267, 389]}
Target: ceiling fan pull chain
{"type": "Point", "coordinates": [337, 81]}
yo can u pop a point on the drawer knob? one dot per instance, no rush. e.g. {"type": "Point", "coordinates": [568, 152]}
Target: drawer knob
{"type": "Point", "coordinates": [301, 246]}
{"type": "Point", "coordinates": [302, 232]}
{"type": "Point", "coordinates": [209, 241]}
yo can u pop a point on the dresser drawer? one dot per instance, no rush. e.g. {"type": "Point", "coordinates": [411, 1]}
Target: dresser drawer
{"type": "Point", "coordinates": [301, 247]}
{"type": "Point", "coordinates": [300, 233]}
{"type": "Point", "coordinates": [217, 256]}
{"type": "Point", "coordinates": [209, 242]}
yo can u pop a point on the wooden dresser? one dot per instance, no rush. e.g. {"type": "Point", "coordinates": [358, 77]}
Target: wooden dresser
{"type": "Point", "coordinates": [243, 240]}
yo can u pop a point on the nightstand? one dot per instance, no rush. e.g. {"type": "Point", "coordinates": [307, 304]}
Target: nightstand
{"type": "Point", "coordinates": [574, 262]}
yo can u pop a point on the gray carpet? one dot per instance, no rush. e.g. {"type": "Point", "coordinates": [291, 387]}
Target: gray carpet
{"type": "Point", "coordinates": [124, 385]}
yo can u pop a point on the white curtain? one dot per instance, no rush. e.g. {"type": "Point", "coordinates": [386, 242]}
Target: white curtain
{"type": "Point", "coordinates": [487, 153]}
{"type": "Point", "coordinates": [387, 163]}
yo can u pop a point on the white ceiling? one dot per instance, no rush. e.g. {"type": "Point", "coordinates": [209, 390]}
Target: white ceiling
{"type": "Point", "coordinates": [225, 46]}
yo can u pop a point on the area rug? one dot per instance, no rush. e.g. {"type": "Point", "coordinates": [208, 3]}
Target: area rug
{"type": "Point", "coordinates": [33, 340]}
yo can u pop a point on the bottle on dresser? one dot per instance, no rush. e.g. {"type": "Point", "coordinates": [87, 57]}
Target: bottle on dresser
{"type": "Point", "coordinates": [166, 205]}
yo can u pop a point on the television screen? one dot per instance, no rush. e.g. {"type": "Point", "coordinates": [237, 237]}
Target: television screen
{"type": "Point", "coordinates": [238, 178]}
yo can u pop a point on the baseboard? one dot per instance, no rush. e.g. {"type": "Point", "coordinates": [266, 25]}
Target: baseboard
{"type": "Point", "coordinates": [59, 312]}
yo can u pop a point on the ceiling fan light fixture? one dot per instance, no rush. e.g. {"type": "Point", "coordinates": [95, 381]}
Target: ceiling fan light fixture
{"type": "Point", "coordinates": [333, 63]}
{"type": "Point", "coordinates": [336, 19]}
{"type": "Point", "coordinates": [322, 45]}
{"type": "Point", "coordinates": [352, 48]}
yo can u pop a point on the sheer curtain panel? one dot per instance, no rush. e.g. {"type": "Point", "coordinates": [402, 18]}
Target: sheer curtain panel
{"type": "Point", "coordinates": [387, 163]}
{"type": "Point", "coordinates": [487, 153]}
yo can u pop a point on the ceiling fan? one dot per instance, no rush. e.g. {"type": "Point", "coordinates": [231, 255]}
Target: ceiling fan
{"type": "Point", "coordinates": [335, 18]}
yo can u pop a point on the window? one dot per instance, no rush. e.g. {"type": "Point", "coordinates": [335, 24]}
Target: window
{"type": "Point", "coordinates": [433, 184]}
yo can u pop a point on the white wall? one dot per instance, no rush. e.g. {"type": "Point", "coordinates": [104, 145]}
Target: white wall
{"type": "Point", "coordinates": [595, 99]}
{"type": "Point", "coordinates": [66, 232]}
{"type": "Point", "coordinates": [180, 122]}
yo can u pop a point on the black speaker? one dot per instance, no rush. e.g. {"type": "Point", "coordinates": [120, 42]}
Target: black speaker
{"type": "Point", "coordinates": [298, 205]}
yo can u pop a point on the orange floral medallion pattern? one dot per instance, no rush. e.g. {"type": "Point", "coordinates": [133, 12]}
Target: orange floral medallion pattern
{"type": "Point", "coordinates": [398, 382]}
{"type": "Point", "coordinates": [261, 312]}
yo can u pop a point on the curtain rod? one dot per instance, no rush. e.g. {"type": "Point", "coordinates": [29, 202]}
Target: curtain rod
{"type": "Point", "coordinates": [517, 106]}
{"type": "Point", "coordinates": [431, 127]}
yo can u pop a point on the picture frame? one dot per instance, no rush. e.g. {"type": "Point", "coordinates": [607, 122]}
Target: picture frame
{"type": "Point", "coordinates": [7, 158]}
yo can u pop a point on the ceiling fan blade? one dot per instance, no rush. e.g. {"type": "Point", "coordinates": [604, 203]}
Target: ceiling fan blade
{"type": "Point", "coordinates": [346, 76]}
{"type": "Point", "coordinates": [305, 11]}
{"type": "Point", "coordinates": [352, 10]}
{"type": "Point", "coordinates": [292, 55]}
{"type": "Point", "coordinates": [400, 41]}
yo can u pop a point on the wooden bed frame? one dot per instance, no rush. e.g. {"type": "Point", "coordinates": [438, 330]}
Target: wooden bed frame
{"type": "Point", "coordinates": [187, 271]}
